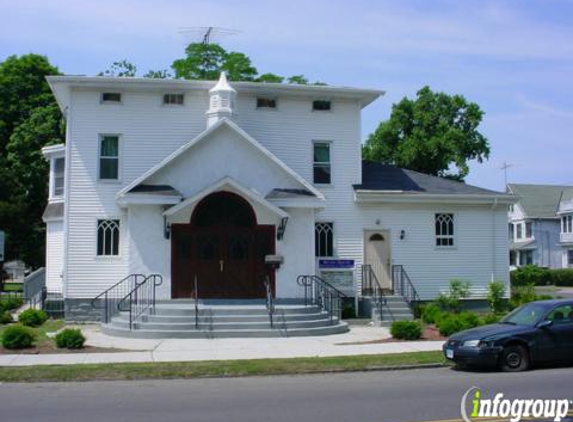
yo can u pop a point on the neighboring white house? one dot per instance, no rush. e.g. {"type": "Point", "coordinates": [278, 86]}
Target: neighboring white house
{"type": "Point", "coordinates": [537, 234]}
{"type": "Point", "coordinates": [202, 179]}
{"type": "Point", "coordinates": [565, 212]}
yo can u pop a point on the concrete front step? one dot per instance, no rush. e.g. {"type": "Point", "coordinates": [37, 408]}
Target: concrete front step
{"type": "Point", "coordinates": [165, 319]}
{"type": "Point", "coordinates": [180, 310]}
{"type": "Point", "coordinates": [277, 322]}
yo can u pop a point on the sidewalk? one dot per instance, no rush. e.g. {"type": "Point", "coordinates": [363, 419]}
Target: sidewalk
{"type": "Point", "coordinates": [184, 350]}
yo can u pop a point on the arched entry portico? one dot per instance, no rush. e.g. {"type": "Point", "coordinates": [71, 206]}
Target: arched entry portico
{"type": "Point", "coordinates": [224, 247]}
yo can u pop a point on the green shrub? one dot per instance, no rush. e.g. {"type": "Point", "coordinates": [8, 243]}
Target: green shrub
{"type": "Point", "coordinates": [5, 317]}
{"type": "Point", "coordinates": [33, 317]}
{"type": "Point", "coordinates": [70, 339]}
{"type": "Point", "coordinates": [521, 295]}
{"type": "Point", "coordinates": [406, 330]}
{"type": "Point", "coordinates": [490, 319]}
{"type": "Point", "coordinates": [451, 300]}
{"type": "Point", "coordinates": [562, 277]}
{"type": "Point", "coordinates": [530, 274]}
{"type": "Point", "coordinates": [10, 303]}
{"type": "Point", "coordinates": [431, 313]}
{"type": "Point", "coordinates": [449, 324]}
{"type": "Point", "coordinates": [17, 337]}
{"type": "Point", "coordinates": [495, 297]}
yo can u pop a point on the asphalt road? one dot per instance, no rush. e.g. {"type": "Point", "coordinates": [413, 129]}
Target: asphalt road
{"type": "Point", "coordinates": [413, 395]}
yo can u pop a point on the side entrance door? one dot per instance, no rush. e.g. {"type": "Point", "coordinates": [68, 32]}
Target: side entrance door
{"type": "Point", "coordinates": [377, 255]}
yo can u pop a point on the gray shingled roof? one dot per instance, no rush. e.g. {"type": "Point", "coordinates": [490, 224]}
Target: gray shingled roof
{"type": "Point", "coordinates": [539, 201]}
{"type": "Point", "coordinates": [54, 211]}
{"type": "Point", "coordinates": [384, 177]}
{"type": "Point", "coordinates": [155, 189]}
{"type": "Point", "coordinates": [289, 193]}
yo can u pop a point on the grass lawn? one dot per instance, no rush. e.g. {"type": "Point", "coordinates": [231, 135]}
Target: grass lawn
{"type": "Point", "coordinates": [229, 368]}
{"type": "Point", "coordinates": [13, 287]}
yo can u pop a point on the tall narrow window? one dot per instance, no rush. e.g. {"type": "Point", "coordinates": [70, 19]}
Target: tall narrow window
{"type": "Point", "coordinates": [445, 230]}
{"type": "Point", "coordinates": [109, 158]}
{"type": "Point", "coordinates": [59, 169]}
{"type": "Point", "coordinates": [321, 163]}
{"type": "Point", "coordinates": [519, 231]}
{"type": "Point", "coordinates": [108, 237]}
{"type": "Point", "coordinates": [529, 229]}
{"type": "Point", "coordinates": [511, 231]}
{"type": "Point", "coordinates": [570, 257]}
{"type": "Point", "coordinates": [324, 239]}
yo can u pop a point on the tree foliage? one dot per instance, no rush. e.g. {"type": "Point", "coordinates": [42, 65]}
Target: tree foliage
{"type": "Point", "coordinates": [434, 134]}
{"type": "Point", "coordinates": [121, 68]}
{"type": "Point", "coordinates": [29, 120]}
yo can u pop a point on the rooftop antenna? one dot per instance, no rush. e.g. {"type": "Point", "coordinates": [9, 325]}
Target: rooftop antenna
{"type": "Point", "coordinates": [504, 167]}
{"type": "Point", "coordinates": [206, 34]}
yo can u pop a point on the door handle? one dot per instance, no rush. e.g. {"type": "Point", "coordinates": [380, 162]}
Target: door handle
{"type": "Point", "coordinates": [221, 264]}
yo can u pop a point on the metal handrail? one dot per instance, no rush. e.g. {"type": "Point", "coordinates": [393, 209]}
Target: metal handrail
{"type": "Point", "coordinates": [371, 285]}
{"type": "Point", "coordinates": [140, 299]}
{"type": "Point", "coordinates": [112, 295]}
{"type": "Point", "coordinates": [196, 304]}
{"type": "Point", "coordinates": [270, 302]}
{"type": "Point", "coordinates": [323, 294]}
{"type": "Point", "coordinates": [402, 284]}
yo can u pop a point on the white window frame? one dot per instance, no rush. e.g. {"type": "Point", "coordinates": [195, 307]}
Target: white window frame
{"type": "Point", "coordinates": [262, 97]}
{"type": "Point", "coordinates": [53, 177]}
{"type": "Point", "coordinates": [98, 222]}
{"type": "Point", "coordinates": [170, 94]}
{"type": "Point", "coordinates": [530, 224]}
{"type": "Point", "coordinates": [333, 233]}
{"type": "Point", "coordinates": [330, 154]}
{"type": "Point", "coordinates": [519, 231]}
{"type": "Point", "coordinates": [119, 158]}
{"type": "Point", "coordinates": [321, 111]}
{"type": "Point", "coordinates": [452, 236]}
{"type": "Point", "coordinates": [569, 257]}
{"type": "Point", "coordinates": [108, 102]}
{"type": "Point", "coordinates": [567, 224]}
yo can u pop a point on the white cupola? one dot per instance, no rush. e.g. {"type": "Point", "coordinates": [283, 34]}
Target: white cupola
{"type": "Point", "coordinates": [221, 102]}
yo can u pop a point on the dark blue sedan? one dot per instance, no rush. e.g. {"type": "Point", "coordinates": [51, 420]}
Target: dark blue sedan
{"type": "Point", "coordinates": [536, 332]}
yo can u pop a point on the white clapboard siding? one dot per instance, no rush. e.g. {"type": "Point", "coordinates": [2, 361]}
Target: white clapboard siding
{"type": "Point", "coordinates": [54, 255]}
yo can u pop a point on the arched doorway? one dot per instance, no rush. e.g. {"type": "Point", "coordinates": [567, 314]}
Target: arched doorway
{"type": "Point", "coordinates": [223, 247]}
{"type": "Point", "coordinates": [377, 255]}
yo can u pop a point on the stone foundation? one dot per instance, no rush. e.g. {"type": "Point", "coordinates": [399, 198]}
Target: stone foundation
{"type": "Point", "coordinates": [81, 310]}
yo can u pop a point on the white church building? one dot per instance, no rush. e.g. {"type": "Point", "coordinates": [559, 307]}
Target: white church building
{"type": "Point", "coordinates": [200, 181]}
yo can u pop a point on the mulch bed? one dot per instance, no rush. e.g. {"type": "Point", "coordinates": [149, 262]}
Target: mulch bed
{"type": "Point", "coordinates": [429, 333]}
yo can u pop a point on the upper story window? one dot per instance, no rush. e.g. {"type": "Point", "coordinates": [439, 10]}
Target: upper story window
{"type": "Point", "coordinates": [519, 231]}
{"type": "Point", "coordinates": [108, 237]}
{"type": "Point", "coordinates": [267, 103]}
{"type": "Point", "coordinates": [324, 239]}
{"type": "Point", "coordinates": [444, 230]}
{"type": "Point", "coordinates": [109, 157]}
{"type": "Point", "coordinates": [567, 224]}
{"type": "Point", "coordinates": [175, 99]}
{"type": "Point", "coordinates": [111, 97]}
{"type": "Point", "coordinates": [321, 105]}
{"type": "Point", "coordinates": [511, 231]}
{"type": "Point", "coordinates": [58, 175]}
{"type": "Point", "coordinates": [321, 163]}
{"type": "Point", "coordinates": [528, 229]}
{"type": "Point", "coordinates": [570, 257]}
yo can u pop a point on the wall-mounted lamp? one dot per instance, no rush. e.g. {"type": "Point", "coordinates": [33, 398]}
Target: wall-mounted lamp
{"type": "Point", "coordinates": [166, 228]}
{"type": "Point", "coordinates": [402, 234]}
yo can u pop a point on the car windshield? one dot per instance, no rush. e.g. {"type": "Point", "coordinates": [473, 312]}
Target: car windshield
{"type": "Point", "coordinates": [528, 314]}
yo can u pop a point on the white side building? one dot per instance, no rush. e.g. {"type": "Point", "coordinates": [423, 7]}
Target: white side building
{"type": "Point", "coordinates": [197, 180]}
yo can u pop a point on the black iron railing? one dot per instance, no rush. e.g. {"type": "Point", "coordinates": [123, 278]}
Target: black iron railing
{"type": "Point", "coordinates": [371, 286]}
{"type": "Point", "coordinates": [141, 299]}
{"type": "Point", "coordinates": [108, 300]}
{"type": "Point", "coordinates": [270, 301]}
{"type": "Point", "coordinates": [196, 303]}
{"type": "Point", "coordinates": [323, 294]}
{"type": "Point", "coordinates": [403, 286]}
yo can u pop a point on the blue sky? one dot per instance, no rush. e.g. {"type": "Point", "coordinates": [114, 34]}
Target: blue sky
{"type": "Point", "coordinates": [513, 57]}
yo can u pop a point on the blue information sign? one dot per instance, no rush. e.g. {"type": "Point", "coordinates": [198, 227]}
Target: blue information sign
{"type": "Point", "coordinates": [336, 263]}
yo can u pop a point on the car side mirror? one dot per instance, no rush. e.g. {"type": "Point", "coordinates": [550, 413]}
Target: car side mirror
{"type": "Point", "coordinates": [545, 324]}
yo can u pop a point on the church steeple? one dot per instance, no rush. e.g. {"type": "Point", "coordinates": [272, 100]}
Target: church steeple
{"type": "Point", "coordinates": [221, 102]}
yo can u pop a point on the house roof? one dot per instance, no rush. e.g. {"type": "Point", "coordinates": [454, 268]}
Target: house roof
{"type": "Point", "coordinates": [387, 178]}
{"type": "Point", "coordinates": [289, 193]}
{"type": "Point", "coordinates": [61, 85]}
{"type": "Point", "coordinates": [155, 190]}
{"type": "Point", "coordinates": [539, 201]}
{"type": "Point", "coordinates": [53, 211]}
{"type": "Point", "coordinates": [527, 244]}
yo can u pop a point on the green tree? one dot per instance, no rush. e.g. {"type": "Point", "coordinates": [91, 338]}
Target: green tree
{"type": "Point", "coordinates": [270, 77]}
{"type": "Point", "coordinates": [202, 61]}
{"type": "Point", "coordinates": [434, 134]}
{"type": "Point", "coordinates": [297, 79]}
{"type": "Point", "coordinates": [239, 67]}
{"type": "Point", "coordinates": [157, 74]}
{"type": "Point", "coordinates": [121, 68]}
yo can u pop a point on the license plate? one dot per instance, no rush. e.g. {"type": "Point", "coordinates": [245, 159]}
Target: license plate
{"type": "Point", "coordinates": [450, 353]}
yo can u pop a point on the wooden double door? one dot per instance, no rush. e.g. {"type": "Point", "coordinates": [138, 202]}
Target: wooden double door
{"type": "Point", "coordinates": [228, 262]}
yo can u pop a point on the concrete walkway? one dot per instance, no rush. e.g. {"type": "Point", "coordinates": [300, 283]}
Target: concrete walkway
{"type": "Point", "coordinates": [177, 350]}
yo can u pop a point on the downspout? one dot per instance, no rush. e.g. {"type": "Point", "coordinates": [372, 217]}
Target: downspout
{"type": "Point", "coordinates": [493, 255]}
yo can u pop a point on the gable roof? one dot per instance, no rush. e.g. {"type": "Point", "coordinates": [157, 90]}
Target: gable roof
{"type": "Point", "coordinates": [539, 201]}
{"type": "Point", "coordinates": [387, 178]}
{"type": "Point", "coordinates": [203, 135]}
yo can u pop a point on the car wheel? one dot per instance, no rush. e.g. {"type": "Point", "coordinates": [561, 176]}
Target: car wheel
{"type": "Point", "coordinates": [515, 359]}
